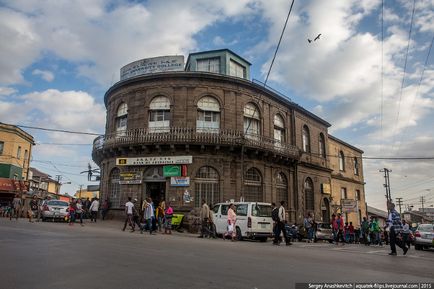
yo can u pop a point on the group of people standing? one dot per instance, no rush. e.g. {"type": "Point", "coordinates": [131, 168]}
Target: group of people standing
{"type": "Point", "coordinates": [152, 217]}
{"type": "Point", "coordinates": [79, 209]}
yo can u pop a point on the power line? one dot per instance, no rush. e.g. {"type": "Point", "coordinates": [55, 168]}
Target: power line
{"type": "Point", "coordinates": [56, 130]}
{"type": "Point", "coordinates": [405, 66]}
{"type": "Point", "coordinates": [417, 92]}
{"type": "Point", "coordinates": [278, 44]}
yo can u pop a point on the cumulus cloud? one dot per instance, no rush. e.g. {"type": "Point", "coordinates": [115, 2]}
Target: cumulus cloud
{"type": "Point", "coordinates": [7, 91]}
{"type": "Point", "coordinates": [44, 74]}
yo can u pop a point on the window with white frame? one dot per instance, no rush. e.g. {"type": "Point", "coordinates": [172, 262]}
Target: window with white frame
{"type": "Point", "coordinates": [322, 149]}
{"type": "Point", "coordinates": [253, 186]}
{"type": "Point", "coordinates": [206, 186]}
{"type": "Point", "coordinates": [19, 152]}
{"type": "Point", "coordinates": [159, 114]}
{"type": "Point", "coordinates": [279, 129]}
{"type": "Point", "coordinates": [341, 161]}
{"type": "Point", "coordinates": [309, 197]}
{"type": "Point", "coordinates": [282, 189]}
{"type": "Point", "coordinates": [208, 115]}
{"type": "Point", "coordinates": [122, 119]}
{"type": "Point", "coordinates": [306, 139]}
{"type": "Point", "coordinates": [344, 193]}
{"type": "Point", "coordinates": [252, 122]}
{"type": "Point", "coordinates": [236, 69]}
{"type": "Point", "coordinates": [356, 166]}
{"type": "Point", "coordinates": [209, 65]}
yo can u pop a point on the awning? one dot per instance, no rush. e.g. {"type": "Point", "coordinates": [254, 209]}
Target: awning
{"type": "Point", "coordinates": [10, 185]}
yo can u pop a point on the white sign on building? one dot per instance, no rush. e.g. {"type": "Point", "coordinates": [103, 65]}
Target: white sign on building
{"type": "Point", "coordinates": [163, 160]}
{"type": "Point", "coordinates": [180, 181]}
{"type": "Point", "coordinates": [152, 65]}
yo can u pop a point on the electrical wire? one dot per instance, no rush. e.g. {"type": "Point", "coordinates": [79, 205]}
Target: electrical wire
{"type": "Point", "coordinates": [55, 130]}
{"type": "Point", "coordinates": [278, 44]}
{"type": "Point", "coordinates": [405, 68]}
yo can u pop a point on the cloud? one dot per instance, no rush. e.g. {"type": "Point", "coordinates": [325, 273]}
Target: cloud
{"type": "Point", "coordinates": [102, 36]}
{"type": "Point", "coordinates": [7, 91]}
{"type": "Point", "coordinates": [45, 74]}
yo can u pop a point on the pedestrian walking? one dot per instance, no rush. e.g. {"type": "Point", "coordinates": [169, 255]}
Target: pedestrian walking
{"type": "Point", "coordinates": [232, 219]}
{"type": "Point", "coordinates": [86, 207]}
{"type": "Point", "coordinates": [16, 204]}
{"type": "Point", "coordinates": [351, 233]}
{"type": "Point", "coordinates": [334, 226]}
{"type": "Point", "coordinates": [168, 214]}
{"type": "Point", "coordinates": [365, 231]}
{"type": "Point", "coordinates": [281, 221]}
{"type": "Point", "coordinates": [339, 229]}
{"type": "Point", "coordinates": [94, 207]}
{"type": "Point", "coordinates": [79, 211]}
{"type": "Point", "coordinates": [308, 225]}
{"type": "Point", "coordinates": [204, 218]}
{"type": "Point", "coordinates": [275, 218]}
{"type": "Point", "coordinates": [129, 210]}
{"type": "Point", "coordinates": [149, 215]}
{"type": "Point", "coordinates": [104, 208]}
{"type": "Point", "coordinates": [159, 215]}
{"type": "Point", "coordinates": [406, 234]}
{"type": "Point", "coordinates": [211, 227]}
{"type": "Point", "coordinates": [376, 231]}
{"type": "Point", "coordinates": [395, 230]}
{"type": "Point", "coordinates": [33, 211]}
{"type": "Point", "coordinates": [71, 212]}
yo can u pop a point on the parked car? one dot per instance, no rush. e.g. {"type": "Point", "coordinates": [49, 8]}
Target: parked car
{"type": "Point", "coordinates": [323, 231]}
{"type": "Point", "coordinates": [54, 209]}
{"type": "Point", "coordinates": [253, 220]}
{"type": "Point", "coordinates": [424, 236]}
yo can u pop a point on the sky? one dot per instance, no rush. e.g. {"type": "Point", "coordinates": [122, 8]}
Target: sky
{"type": "Point", "coordinates": [372, 82]}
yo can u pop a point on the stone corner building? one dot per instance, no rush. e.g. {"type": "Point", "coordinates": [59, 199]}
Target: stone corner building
{"type": "Point", "coordinates": [208, 132]}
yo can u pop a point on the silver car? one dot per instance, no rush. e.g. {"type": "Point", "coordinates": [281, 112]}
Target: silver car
{"type": "Point", "coordinates": [424, 235]}
{"type": "Point", "coordinates": [54, 209]}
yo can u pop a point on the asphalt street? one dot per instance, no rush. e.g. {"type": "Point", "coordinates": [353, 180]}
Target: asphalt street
{"type": "Point", "coordinates": [100, 255]}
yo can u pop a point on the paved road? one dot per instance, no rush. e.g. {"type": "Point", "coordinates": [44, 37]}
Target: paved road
{"type": "Point", "coordinates": [54, 255]}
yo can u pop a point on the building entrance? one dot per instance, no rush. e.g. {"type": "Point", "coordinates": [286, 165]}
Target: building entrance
{"type": "Point", "coordinates": [157, 191]}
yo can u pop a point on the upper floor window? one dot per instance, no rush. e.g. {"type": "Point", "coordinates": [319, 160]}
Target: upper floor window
{"type": "Point", "coordinates": [309, 196]}
{"type": "Point", "coordinates": [358, 195]}
{"type": "Point", "coordinates": [344, 193]}
{"type": "Point", "coordinates": [2, 145]}
{"type": "Point", "coordinates": [159, 114]}
{"type": "Point", "coordinates": [209, 65]}
{"type": "Point", "coordinates": [19, 153]}
{"type": "Point", "coordinates": [306, 139]}
{"type": "Point", "coordinates": [341, 161]}
{"type": "Point", "coordinates": [236, 69]}
{"type": "Point", "coordinates": [208, 115]}
{"type": "Point", "coordinates": [122, 119]}
{"type": "Point", "coordinates": [356, 166]}
{"type": "Point", "coordinates": [26, 154]}
{"type": "Point", "coordinates": [252, 121]}
{"type": "Point", "coordinates": [279, 129]}
{"type": "Point", "coordinates": [322, 149]}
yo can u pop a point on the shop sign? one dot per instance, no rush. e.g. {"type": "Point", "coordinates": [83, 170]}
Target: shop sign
{"type": "Point", "coordinates": [149, 161]}
{"type": "Point", "coordinates": [349, 206]}
{"type": "Point", "coordinates": [153, 65]}
{"type": "Point", "coordinates": [6, 185]}
{"type": "Point", "coordinates": [130, 178]}
{"type": "Point", "coordinates": [325, 188]}
{"type": "Point", "coordinates": [180, 181]}
{"type": "Point", "coordinates": [171, 171]}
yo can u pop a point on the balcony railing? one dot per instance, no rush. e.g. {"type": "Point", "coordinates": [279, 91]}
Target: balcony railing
{"type": "Point", "coordinates": [177, 135]}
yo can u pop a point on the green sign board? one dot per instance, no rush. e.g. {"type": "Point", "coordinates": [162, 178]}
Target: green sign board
{"type": "Point", "coordinates": [171, 171]}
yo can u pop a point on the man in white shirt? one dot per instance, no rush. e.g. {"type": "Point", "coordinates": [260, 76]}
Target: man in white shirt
{"type": "Point", "coordinates": [129, 210]}
{"type": "Point", "coordinates": [281, 226]}
{"type": "Point", "coordinates": [94, 207]}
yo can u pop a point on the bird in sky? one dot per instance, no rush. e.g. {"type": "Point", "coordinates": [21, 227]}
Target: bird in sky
{"type": "Point", "coordinates": [308, 40]}
{"type": "Point", "coordinates": [317, 38]}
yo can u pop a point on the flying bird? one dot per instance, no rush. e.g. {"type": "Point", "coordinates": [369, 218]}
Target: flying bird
{"type": "Point", "coordinates": [308, 40]}
{"type": "Point", "coordinates": [317, 38]}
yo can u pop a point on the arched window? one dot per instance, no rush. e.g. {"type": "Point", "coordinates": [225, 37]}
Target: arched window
{"type": "Point", "coordinates": [208, 115]}
{"type": "Point", "coordinates": [121, 119]}
{"type": "Point", "coordinates": [114, 188]}
{"type": "Point", "coordinates": [279, 130]}
{"type": "Point", "coordinates": [282, 189]}
{"type": "Point", "coordinates": [322, 149]}
{"type": "Point", "coordinates": [252, 186]}
{"type": "Point", "coordinates": [309, 201]}
{"type": "Point", "coordinates": [341, 161]}
{"type": "Point", "coordinates": [356, 166]}
{"type": "Point", "coordinates": [206, 185]}
{"type": "Point", "coordinates": [159, 114]}
{"type": "Point", "coordinates": [306, 139]}
{"type": "Point", "coordinates": [252, 121]}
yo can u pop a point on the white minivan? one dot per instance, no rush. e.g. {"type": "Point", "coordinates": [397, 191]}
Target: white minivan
{"type": "Point", "coordinates": [253, 220]}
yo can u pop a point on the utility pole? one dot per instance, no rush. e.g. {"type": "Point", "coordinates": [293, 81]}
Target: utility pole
{"type": "Point", "coordinates": [399, 201]}
{"type": "Point", "coordinates": [58, 179]}
{"type": "Point", "coordinates": [387, 184]}
{"type": "Point", "coordinates": [422, 200]}
{"type": "Point", "coordinates": [81, 186]}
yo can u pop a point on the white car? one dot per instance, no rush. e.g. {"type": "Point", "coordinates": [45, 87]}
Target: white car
{"type": "Point", "coordinates": [253, 220]}
{"type": "Point", "coordinates": [54, 209]}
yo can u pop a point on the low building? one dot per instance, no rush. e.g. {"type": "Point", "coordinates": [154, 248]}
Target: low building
{"type": "Point", "coordinates": [417, 217]}
{"type": "Point", "coordinates": [92, 191]}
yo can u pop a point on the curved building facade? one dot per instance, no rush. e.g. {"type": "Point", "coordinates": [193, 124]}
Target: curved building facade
{"type": "Point", "coordinates": [184, 136]}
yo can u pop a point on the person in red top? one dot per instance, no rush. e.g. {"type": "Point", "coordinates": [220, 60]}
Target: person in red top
{"type": "Point", "coordinates": [71, 210]}
{"type": "Point", "coordinates": [340, 229]}
{"type": "Point", "coordinates": [351, 232]}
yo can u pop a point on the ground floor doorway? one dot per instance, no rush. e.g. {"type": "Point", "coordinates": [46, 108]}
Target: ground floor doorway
{"type": "Point", "coordinates": [156, 191]}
